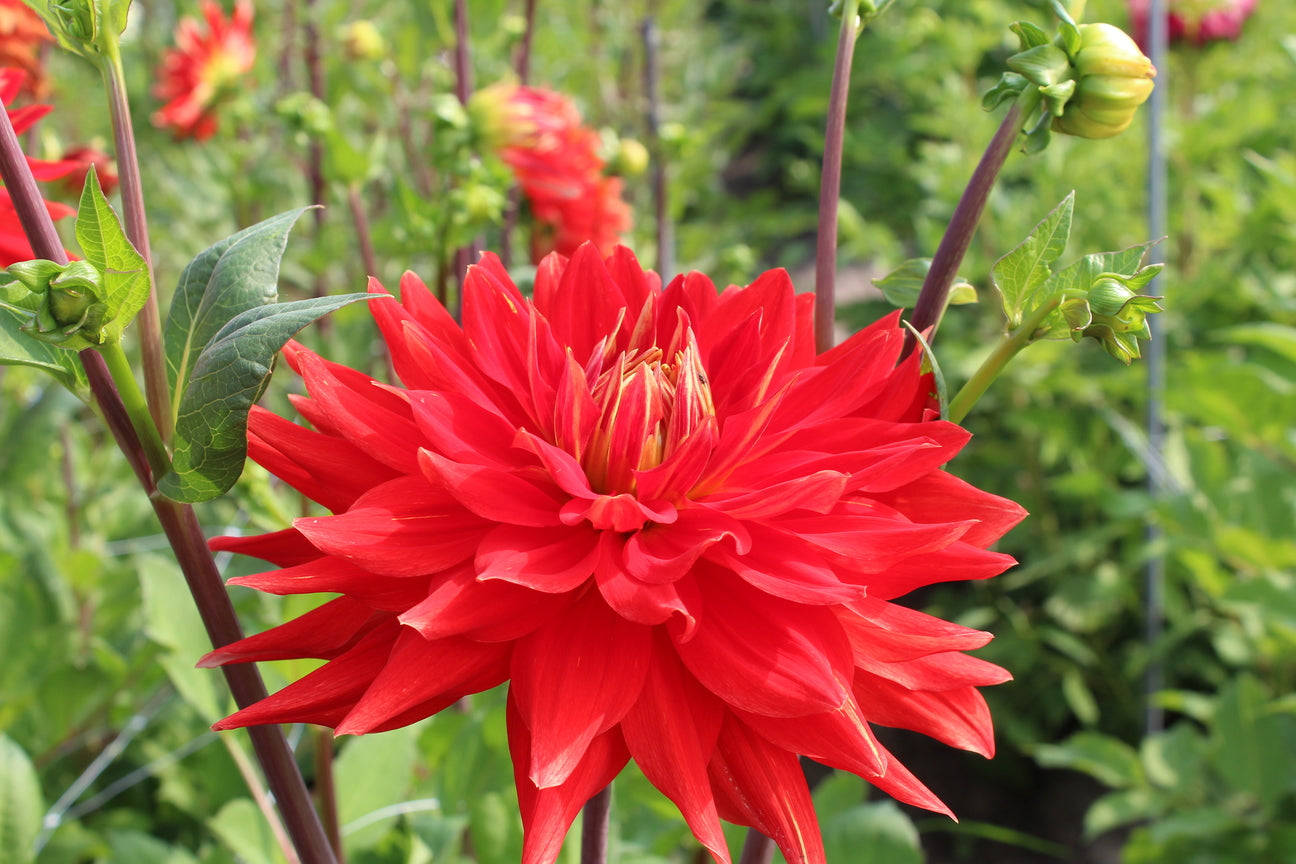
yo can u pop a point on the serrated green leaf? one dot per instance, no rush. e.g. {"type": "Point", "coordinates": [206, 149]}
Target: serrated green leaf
{"type": "Point", "coordinates": [239, 273]}
{"type": "Point", "coordinates": [1019, 274]}
{"type": "Point", "coordinates": [228, 377]}
{"type": "Point", "coordinates": [19, 349]}
{"type": "Point", "coordinates": [104, 244]}
{"type": "Point", "coordinates": [21, 805]}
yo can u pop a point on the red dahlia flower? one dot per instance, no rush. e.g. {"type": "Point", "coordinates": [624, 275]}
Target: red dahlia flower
{"type": "Point", "coordinates": [556, 161]}
{"type": "Point", "coordinates": [203, 68]}
{"type": "Point", "coordinates": [13, 241]}
{"type": "Point", "coordinates": [22, 36]}
{"type": "Point", "coordinates": [1195, 21]}
{"type": "Point", "coordinates": [669, 525]}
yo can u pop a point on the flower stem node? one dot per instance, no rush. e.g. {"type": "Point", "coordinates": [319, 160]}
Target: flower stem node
{"type": "Point", "coordinates": [62, 302]}
{"type": "Point", "coordinates": [1113, 313]}
{"type": "Point", "coordinates": [86, 27]}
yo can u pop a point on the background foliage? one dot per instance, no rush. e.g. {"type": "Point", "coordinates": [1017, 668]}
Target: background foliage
{"type": "Point", "coordinates": [104, 750]}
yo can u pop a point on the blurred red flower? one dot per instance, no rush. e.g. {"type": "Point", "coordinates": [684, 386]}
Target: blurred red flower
{"type": "Point", "coordinates": [1195, 21]}
{"type": "Point", "coordinates": [13, 242]}
{"type": "Point", "coordinates": [197, 74]}
{"type": "Point", "coordinates": [556, 161]}
{"type": "Point", "coordinates": [669, 525]}
{"type": "Point", "coordinates": [84, 157]}
{"type": "Point", "coordinates": [22, 36]}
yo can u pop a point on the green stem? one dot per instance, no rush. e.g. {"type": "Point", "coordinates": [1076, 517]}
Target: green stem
{"type": "Point", "coordinates": [136, 408]}
{"type": "Point", "coordinates": [1008, 348]}
{"type": "Point", "coordinates": [830, 180]}
{"type": "Point", "coordinates": [153, 352]}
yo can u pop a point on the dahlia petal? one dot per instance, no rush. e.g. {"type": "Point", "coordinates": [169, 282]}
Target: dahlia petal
{"type": "Point", "coordinates": [663, 553]}
{"type": "Point", "coordinates": [585, 304]}
{"type": "Point", "coordinates": [544, 560]}
{"type": "Point", "coordinates": [463, 430]}
{"type": "Point", "coordinates": [935, 672]}
{"type": "Point", "coordinates": [329, 575]}
{"type": "Point", "coordinates": [900, 783]}
{"type": "Point", "coordinates": [327, 694]}
{"type": "Point", "coordinates": [783, 565]}
{"type": "Point", "coordinates": [287, 547]}
{"type": "Point", "coordinates": [562, 466]}
{"type": "Point", "coordinates": [680, 471]}
{"type": "Point", "coordinates": [496, 322]}
{"type": "Point", "coordinates": [818, 492]}
{"type": "Point", "coordinates": [840, 386]}
{"type": "Point", "coordinates": [516, 497]}
{"type": "Point", "coordinates": [404, 527]}
{"type": "Point", "coordinates": [765, 655]}
{"type": "Point", "coordinates": [885, 632]}
{"type": "Point", "coordinates": [575, 678]}
{"type": "Point", "coordinates": [575, 412]}
{"type": "Point", "coordinates": [767, 784]}
{"type": "Point", "coordinates": [957, 717]}
{"type": "Point", "coordinates": [547, 813]}
{"type": "Point", "coordinates": [941, 497]}
{"type": "Point", "coordinates": [840, 738]}
{"type": "Point", "coordinates": [957, 562]}
{"type": "Point", "coordinates": [639, 601]}
{"type": "Point", "coordinates": [328, 470]}
{"type": "Point", "coordinates": [872, 544]}
{"type": "Point", "coordinates": [420, 671]}
{"type": "Point", "coordinates": [671, 732]}
{"type": "Point", "coordinates": [493, 611]}
{"type": "Point", "coordinates": [323, 633]}
{"type": "Point", "coordinates": [620, 513]}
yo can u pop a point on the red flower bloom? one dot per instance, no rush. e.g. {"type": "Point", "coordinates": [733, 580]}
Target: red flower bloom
{"type": "Point", "coordinates": [557, 164]}
{"type": "Point", "coordinates": [1195, 21]}
{"type": "Point", "coordinates": [669, 525]}
{"type": "Point", "coordinates": [104, 165]}
{"type": "Point", "coordinates": [13, 242]}
{"type": "Point", "coordinates": [22, 35]}
{"type": "Point", "coordinates": [202, 69]}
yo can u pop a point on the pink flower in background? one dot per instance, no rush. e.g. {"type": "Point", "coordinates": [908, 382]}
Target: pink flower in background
{"type": "Point", "coordinates": [669, 525]}
{"type": "Point", "coordinates": [203, 67]}
{"type": "Point", "coordinates": [556, 161]}
{"type": "Point", "coordinates": [1195, 21]}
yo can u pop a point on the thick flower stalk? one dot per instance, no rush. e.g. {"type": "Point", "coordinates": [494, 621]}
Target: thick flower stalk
{"type": "Point", "coordinates": [203, 68]}
{"type": "Point", "coordinates": [669, 525]}
{"type": "Point", "coordinates": [558, 166]}
{"type": "Point", "coordinates": [14, 245]}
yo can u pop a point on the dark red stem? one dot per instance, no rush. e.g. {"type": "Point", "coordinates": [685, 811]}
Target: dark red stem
{"type": "Point", "coordinates": [757, 849]}
{"type": "Point", "coordinates": [181, 528]}
{"type": "Point", "coordinates": [665, 228]}
{"type": "Point", "coordinates": [594, 828]}
{"type": "Point", "coordinates": [830, 189]}
{"type": "Point", "coordinates": [958, 236]}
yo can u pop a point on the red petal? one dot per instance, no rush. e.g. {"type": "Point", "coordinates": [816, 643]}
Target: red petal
{"type": "Point", "coordinates": [284, 548]}
{"type": "Point", "coordinates": [575, 678]}
{"type": "Point", "coordinates": [553, 561]}
{"type": "Point", "coordinates": [840, 738]}
{"type": "Point", "coordinates": [818, 492]}
{"type": "Point", "coordinates": [765, 655]}
{"type": "Point", "coordinates": [324, 632]}
{"type": "Point", "coordinates": [333, 575]}
{"type": "Point", "coordinates": [942, 497]}
{"type": "Point", "coordinates": [639, 601]}
{"type": "Point", "coordinates": [959, 717]}
{"type": "Point", "coordinates": [785, 566]}
{"type": "Point", "coordinates": [401, 528]}
{"type": "Point", "coordinates": [517, 497]}
{"type": "Point", "coordinates": [890, 633]}
{"type": "Point", "coordinates": [900, 783]}
{"type": "Point", "coordinates": [663, 553]}
{"type": "Point", "coordinates": [767, 784]}
{"type": "Point", "coordinates": [547, 813]}
{"type": "Point", "coordinates": [425, 674]}
{"type": "Point", "coordinates": [671, 732]}
{"type": "Point", "coordinates": [493, 611]}
{"type": "Point", "coordinates": [463, 430]}
{"type": "Point", "coordinates": [960, 561]}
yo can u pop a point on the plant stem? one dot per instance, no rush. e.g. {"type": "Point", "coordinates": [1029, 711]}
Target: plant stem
{"type": "Point", "coordinates": [153, 352]}
{"type": "Point", "coordinates": [958, 236]}
{"type": "Point", "coordinates": [326, 790]}
{"type": "Point", "coordinates": [830, 180]}
{"type": "Point", "coordinates": [363, 236]}
{"type": "Point", "coordinates": [180, 526]}
{"type": "Point", "coordinates": [594, 828]}
{"type": "Point", "coordinates": [757, 848]}
{"type": "Point", "coordinates": [1007, 348]}
{"type": "Point", "coordinates": [665, 229]}
{"type": "Point", "coordinates": [133, 400]}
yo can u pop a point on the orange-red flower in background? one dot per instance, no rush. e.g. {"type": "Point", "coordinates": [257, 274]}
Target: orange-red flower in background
{"type": "Point", "coordinates": [555, 158]}
{"type": "Point", "coordinates": [202, 68]}
{"type": "Point", "coordinates": [13, 242]}
{"type": "Point", "coordinates": [22, 37]}
{"type": "Point", "coordinates": [669, 525]}
{"type": "Point", "coordinates": [104, 165]}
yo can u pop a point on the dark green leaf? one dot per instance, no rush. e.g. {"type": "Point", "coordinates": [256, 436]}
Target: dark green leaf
{"type": "Point", "coordinates": [239, 273]}
{"type": "Point", "coordinates": [20, 804]}
{"type": "Point", "coordinates": [1108, 760]}
{"type": "Point", "coordinates": [104, 244]}
{"type": "Point", "coordinates": [17, 348]}
{"type": "Point", "coordinates": [880, 827]}
{"type": "Point", "coordinates": [1021, 272]}
{"type": "Point", "coordinates": [228, 377]}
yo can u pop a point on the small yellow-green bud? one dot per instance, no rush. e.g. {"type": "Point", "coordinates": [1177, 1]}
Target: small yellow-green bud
{"type": "Point", "coordinates": [1113, 79]}
{"type": "Point", "coordinates": [362, 41]}
{"type": "Point", "coordinates": [630, 158]}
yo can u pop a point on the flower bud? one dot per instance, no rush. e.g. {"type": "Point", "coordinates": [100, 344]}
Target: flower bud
{"type": "Point", "coordinates": [1113, 78]}
{"type": "Point", "coordinates": [630, 159]}
{"type": "Point", "coordinates": [1113, 314]}
{"type": "Point", "coordinates": [362, 41]}
{"type": "Point", "coordinates": [67, 309]}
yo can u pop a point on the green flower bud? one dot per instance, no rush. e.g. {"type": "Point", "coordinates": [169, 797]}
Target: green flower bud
{"type": "Point", "coordinates": [1113, 79]}
{"type": "Point", "coordinates": [630, 159]}
{"type": "Point", "coordinates": [362, 41]}
{"type": "Point", "coordinates": [67, 311]}
{"type": "Point", "coordinates": [1113, 314]}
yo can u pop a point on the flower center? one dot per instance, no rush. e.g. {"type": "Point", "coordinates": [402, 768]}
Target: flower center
{"type": "Point", "coordinates": [647, 406]}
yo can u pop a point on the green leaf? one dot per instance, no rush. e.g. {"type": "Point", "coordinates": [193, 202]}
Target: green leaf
{"type": "Point", "coordinates": [104, 244]}
{"type": "Point", "coordinates": [1254, 748]}
{"type": "Point", "coordinates": [1043, 65]}
{"type": "Point", "coordinates": [21, 805]}
{"type": "Point", "coordinates": [1108, 760]}
{"type": "Point", "coordinates": [239, 273]}
{"type": "Point", "coordinates": [17, 348]}
{"type": "Point", "coordinates": [902, 285]}
{"type": "Point", "coordinates": [374, 772]}
{"type": "Point", "coordinates": [1019, 274]}
{"type": "Point", "coordinates": [228, 377]}
{"type": "Point", "coordinates": [1080, 275]}
{"type": "Point", "coordinates": [880, 827]}
{"type": "Point", "coordinates": [1029, 35]}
